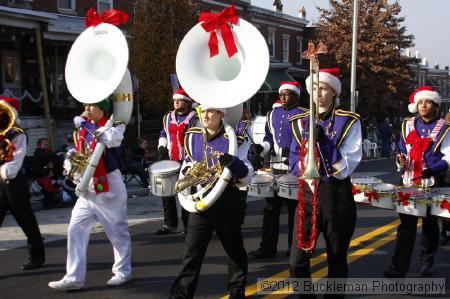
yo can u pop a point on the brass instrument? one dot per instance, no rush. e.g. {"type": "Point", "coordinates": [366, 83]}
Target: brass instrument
{"type": "Point", "coordinates": [229, 81]}
{"type": "Point", "coordinates": [96, 68]}
{"type": "Point", "coordinates": [78, 164]}
{"type": "Point", "coordinates": [311, 171]}
{"type": "Point", "coordinates": [7, 120]}
{"type": "Point", "coordinates": [200, 174]}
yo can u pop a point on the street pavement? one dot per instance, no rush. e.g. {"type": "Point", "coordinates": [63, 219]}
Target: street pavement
{"type": "Point", "coordinates": [157, 259]}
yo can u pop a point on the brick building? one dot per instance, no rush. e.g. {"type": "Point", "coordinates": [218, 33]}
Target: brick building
{"type": "Point", "coordinates": [59, 22]}
{"type": "Point", "coordinates": [56, 23]}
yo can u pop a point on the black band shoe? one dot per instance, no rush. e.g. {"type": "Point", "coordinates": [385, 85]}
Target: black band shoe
{"type": "Point", "coordinates": [32, 263]}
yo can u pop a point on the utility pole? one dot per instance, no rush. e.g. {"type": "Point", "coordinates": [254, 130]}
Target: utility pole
{"type": "Point", "coordinates": [354, 55]}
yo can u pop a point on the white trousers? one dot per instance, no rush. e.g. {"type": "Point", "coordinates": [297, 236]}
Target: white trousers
{"type": "Point", "coordinates": [112, 215]}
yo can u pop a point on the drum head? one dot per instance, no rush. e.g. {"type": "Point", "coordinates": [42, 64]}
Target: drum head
{"type": "Point", "coordinates": [366, 181]}
{"type": "Point", "coordinates": [164, 166]}
{"type": "Point", "coordinates": [261, 179]}
{"type": "Point", "coordinates": [415, 192]}
{"type": "Point", "coordinates": [384, 187]}
{"type": "Point", "coordinates": [442, 191]}
{"type": "Point", "coordinates": [288, 179]}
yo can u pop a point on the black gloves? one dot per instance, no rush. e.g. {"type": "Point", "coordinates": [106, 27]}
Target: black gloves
{"type": "Point", "coordinates": [285, 152]}
{"type": "Point", "coordinates": [319, 133]}
{"type": "Point", "coordinates": [163, 153]}
{"type": "Point", "coordinates": [225, 159]}
{"type": "Point", "coordinates": [427, 173]}
{"type": "Point", "coordinates": [256, 149]}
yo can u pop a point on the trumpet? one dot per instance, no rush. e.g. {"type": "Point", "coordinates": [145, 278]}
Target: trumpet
{"type": "Point", "coordinates": [311, 171]}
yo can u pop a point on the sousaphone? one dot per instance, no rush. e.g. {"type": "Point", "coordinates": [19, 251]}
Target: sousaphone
{"type": "Point", "coordinates": [96, 69]}
{"type": "Point", "coordinates": [219, 81]}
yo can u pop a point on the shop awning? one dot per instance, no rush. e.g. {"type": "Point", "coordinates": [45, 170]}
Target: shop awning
{"type": "Point", "coordinates": [273, 79]}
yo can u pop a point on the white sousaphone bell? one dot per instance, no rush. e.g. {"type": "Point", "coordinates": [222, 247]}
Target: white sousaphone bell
{"type": "Point", "coordinates": [220, 82]}
{"type": "Point", "coordinates": [96, 69]}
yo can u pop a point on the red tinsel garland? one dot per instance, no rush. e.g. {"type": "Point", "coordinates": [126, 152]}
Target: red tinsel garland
{"type": "Point", "coordinates": [309, 244]}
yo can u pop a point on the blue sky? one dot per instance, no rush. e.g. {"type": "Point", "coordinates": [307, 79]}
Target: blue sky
{"type": "Point", "coordinates": [428, 21]}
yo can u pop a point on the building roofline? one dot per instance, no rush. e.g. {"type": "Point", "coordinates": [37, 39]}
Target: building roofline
{"type": "Point", "coordinates": [276, 15]}
{"type": "Point", "coordinates": [28, 14]}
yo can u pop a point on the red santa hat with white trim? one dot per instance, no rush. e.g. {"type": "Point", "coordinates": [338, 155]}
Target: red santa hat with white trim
{"type": "Point", "coordinates": [292, 85]}
{"type": "Point", "coordinates": [180, 94]}
{"type": "Point", "coordinates": [329, 77]}
{"type": "Point", "coordinates": [13, 104]}
{"type": "Point", "coordinates": [423, 93]}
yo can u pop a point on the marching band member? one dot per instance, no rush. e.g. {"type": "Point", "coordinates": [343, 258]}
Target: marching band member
{"type": "Point", "coordinates": [175, 124]}
{"type": "Point", "coordinates": [278, 138]}
{"type": "Point", "coordinates": [338, 138]}
{"type": "Point", "coordinates": [14, 193]}
{"type": "Point", "coordinates": [105, 201]}
{"type": "Point", "coordinates": [223, 217]}
{"type": "Point", "coordinates": [424, 159]}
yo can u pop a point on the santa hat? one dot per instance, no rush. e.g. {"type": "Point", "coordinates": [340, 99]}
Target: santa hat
{"type": "Point", "coordinates": [329, 77]}
{"type": "Point", "coordinates": [13, 104]}
{"type": "Point", "coordinates": [277, 104]}
{"type": "Point", "coordinates": [294, 86]}
{"type": "Point", "coordinates": [180, 94]}
{"type": "Point", "coordinates": [423, 93]}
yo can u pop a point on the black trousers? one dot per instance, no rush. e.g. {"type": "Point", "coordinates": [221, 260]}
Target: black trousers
{"type": "Point", "coordinates": [406, 236]}
{"type": "Point", "coordinates": [224, 217]}
{"type": "Point", "coordinates": [15, 197]}
{"type": "Point", "coordinates": [336, 221]}
{"type": "Point", "coordinates": [171, 213]}
{"type": "Point", "coordinates": [271, 220]}
{"type": "Point", "coordinates": [445, 228]}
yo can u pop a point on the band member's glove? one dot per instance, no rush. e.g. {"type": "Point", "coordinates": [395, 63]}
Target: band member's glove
{"type": "Point", "coordinates": [256, 149]}
{"type": "Point", "coordinates": [234, 164]}
{"type": "Point", "coordinates": [427, 173]}
{"type": "Point", "coordinates": [163, 153]}
{"type": "Point", "coordinates": [285, 152]}
{"type": "Point", "coordinates": [319, 133]}
{"type": "Point", "coordinates": [225, 160]}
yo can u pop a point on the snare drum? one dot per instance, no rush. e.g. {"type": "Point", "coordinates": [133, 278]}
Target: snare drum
{"type": "Point", "coordinates": [385, 193]}
{"type": "Point", "coordinates": [261, 185]}
{"type": "Point", "coordinates": [441, 202]}
{"type": "Point", "coordinates": [163, 177]}
{"type": "Point", "coordinates": [288, 186]}
{"type": "Point", "coordinates": [411, 201]}
{"type": "Point", "coordinates": [362, 187]}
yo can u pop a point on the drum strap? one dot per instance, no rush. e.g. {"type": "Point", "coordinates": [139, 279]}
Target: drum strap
{"type": "Point", "coordinates": [100, 179]}
{"type": "Point", "coordinates": [176, 132]}
{"type": "Point", "coordinates": [419, 146]}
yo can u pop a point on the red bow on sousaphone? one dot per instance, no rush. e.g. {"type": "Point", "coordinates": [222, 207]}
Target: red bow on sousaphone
{"type": "Point", "coordinates": [309, 170]}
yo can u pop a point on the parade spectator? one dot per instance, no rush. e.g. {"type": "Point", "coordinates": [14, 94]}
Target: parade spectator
{"type": "Point", "coordinates": [66, 147]}
{"type": "Point", "coordinates": [134, 167]}
{"type": "Point", "coordinates": [385, 133]}
{"type": "Point", "coordinates": [142, 153]}
{"type": "Point", "coordinates": [50, 188]}
{"type": "Point", "coordinates": [45, 157]}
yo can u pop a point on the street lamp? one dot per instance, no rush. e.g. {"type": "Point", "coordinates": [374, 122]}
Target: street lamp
{"type": "Point", "coordinates": [354, 50]}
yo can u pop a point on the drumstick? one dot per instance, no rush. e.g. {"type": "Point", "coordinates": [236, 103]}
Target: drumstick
{"type": "Point", "coordinates": [248, 135]}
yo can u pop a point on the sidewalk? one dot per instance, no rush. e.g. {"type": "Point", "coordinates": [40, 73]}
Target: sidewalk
{"type": "Point", "coordinates": [54, 222]}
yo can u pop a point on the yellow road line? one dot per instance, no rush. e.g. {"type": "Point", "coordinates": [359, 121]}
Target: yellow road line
{"type": "Point", "coordinates": [321, 273]}
{"type": "Point", "coordinates": [252, 289]}
{"type": "Point", "coordinates": [354, 256]}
